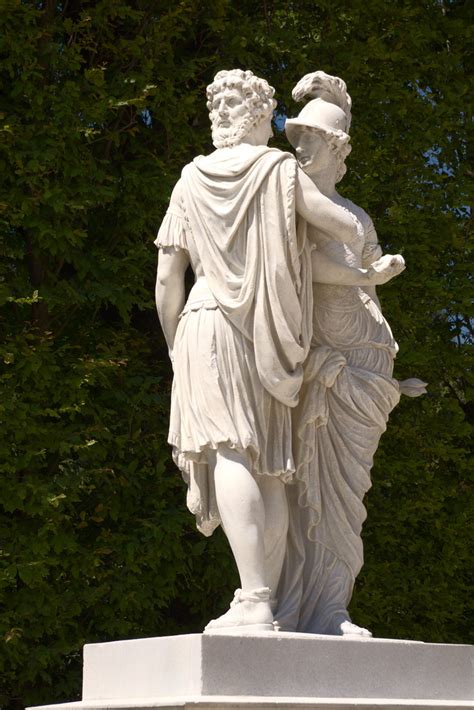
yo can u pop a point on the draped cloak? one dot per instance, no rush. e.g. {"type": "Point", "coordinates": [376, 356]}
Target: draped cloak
{"type": "Point", "coordinates": [246, 327]}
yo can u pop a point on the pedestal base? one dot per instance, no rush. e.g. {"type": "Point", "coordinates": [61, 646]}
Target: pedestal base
{"type": "Point", "coordinates": [280, 670]}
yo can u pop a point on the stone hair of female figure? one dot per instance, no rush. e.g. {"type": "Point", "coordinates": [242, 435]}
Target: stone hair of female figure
{"type": "Point", "coordinates": [348, 389]}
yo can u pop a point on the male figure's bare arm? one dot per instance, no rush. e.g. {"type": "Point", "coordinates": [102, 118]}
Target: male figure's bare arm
{"type": "Point", "coordinates": [321, 212]}
{"type": "Point", "coordinates": [170, 291]}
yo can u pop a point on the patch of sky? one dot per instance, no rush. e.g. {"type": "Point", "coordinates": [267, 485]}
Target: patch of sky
{"type": "Point", "coordinates": [432, 158]}
{"type": "Point", "coordinates": [462, 329]}
{"type": "Point", "coordinates": [424, 92]}
{"type": "Point", "coordinates": [146, 117]}
{"type": "Point", "coordinates": [279, 120]}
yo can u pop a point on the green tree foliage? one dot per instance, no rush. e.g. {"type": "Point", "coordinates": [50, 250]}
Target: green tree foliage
{"type": "Point", "coordinates": [102, 104]}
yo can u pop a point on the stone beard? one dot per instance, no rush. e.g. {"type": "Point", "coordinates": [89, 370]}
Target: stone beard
{"type": "Point", "coordinates": [228, 136]}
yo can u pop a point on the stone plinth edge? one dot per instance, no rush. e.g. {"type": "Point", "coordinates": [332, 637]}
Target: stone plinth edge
{"type": "Point", "coordinates": [274, 670]}
{"type": "Point", "coordinates": [253, 703]}
{"type": "Point", "coordinates": [277, 665]}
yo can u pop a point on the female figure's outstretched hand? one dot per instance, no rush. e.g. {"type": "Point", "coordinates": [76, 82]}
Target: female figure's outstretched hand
{"type": "Point", "coordinates": [385, 269]}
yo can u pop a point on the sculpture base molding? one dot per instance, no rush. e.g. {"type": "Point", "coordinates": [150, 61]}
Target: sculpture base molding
{"type": "Point", "coordinates": [273, 669]}
{"type": "Point", "coordinates": [227, 702]}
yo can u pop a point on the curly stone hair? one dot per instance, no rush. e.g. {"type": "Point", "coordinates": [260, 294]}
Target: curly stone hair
{"type": "Point", "coordinates": [339, 144]}
{"type": "Point", "coordinates": [257, 95]}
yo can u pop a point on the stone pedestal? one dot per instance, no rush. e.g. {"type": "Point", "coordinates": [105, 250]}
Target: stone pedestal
{"type": "Point", "coordinates": [279, 670]}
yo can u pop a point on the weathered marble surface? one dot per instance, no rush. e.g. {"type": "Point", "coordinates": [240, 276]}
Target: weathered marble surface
{"type": "Point", "coordinates": [282, 358]}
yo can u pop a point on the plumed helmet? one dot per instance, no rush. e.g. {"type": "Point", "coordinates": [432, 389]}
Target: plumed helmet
{"type": "Point", "coordinates": [329, 110]}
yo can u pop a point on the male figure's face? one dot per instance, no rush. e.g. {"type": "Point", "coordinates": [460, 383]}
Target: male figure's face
{"type": "Point", "coordinates": [229, 114]}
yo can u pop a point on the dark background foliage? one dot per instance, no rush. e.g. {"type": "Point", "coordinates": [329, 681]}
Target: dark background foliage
{"type": "Point", "coordinates": [102, 104]}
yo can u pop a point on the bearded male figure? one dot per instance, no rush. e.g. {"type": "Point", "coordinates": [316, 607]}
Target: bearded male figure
{"type": "Point", "coordinates": [239, 341]}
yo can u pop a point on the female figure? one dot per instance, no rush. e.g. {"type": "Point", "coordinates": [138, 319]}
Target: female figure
{"type": "Point", "coordinates": [348, 390]}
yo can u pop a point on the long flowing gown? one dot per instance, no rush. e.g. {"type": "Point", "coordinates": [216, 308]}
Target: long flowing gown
{"type": "Point", "coordinates": [347, 395]}
{"type": "Point", "coordinates": [245, 330]}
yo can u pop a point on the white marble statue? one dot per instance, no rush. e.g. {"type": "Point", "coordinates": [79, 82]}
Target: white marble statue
{"type": "Point", "coordinates": [240, 341]}
{"type": "Point", "coordinates": [348, 389]}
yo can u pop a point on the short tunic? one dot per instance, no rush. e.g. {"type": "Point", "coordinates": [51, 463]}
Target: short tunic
{"type": "Point", "coordinates": [218, 396]}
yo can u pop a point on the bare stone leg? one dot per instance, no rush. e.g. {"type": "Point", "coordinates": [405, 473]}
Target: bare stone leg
{"type": "Point", "coordinates": [276, 527]}
{"type": "Point", "coordinates": [242, 511]}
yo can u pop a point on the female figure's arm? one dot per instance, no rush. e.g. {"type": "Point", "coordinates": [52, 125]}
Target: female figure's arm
{"type": "Point", "coordinates": [337, 224]}
{"type": "Point", "coordinates": [327, 271]}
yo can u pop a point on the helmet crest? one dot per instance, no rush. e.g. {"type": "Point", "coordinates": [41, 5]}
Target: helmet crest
{"type": "Point", "coordinates": [332, 89]}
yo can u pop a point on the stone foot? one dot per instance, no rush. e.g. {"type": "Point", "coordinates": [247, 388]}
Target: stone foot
{"type": "Point", "coordinates": [249, 611]}
{"type": "Point", "coordinates": [341, 625]}
{"type": "Point", "coordinates": [347, 628]}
